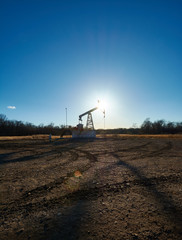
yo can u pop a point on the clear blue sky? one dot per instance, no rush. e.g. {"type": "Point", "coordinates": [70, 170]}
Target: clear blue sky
{"type": "Point", "coordinates": [68, 54]}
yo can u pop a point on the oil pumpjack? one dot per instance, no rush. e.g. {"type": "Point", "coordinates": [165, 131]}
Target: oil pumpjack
{"type": "Point", "coordinates": [88, 132]}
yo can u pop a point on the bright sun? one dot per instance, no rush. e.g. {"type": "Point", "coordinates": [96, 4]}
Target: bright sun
{"type": "Point", "coordinates": [102, 105]}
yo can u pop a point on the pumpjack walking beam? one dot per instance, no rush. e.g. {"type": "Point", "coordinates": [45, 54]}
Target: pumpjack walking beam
{"type": "Point", "coordinates": [93, 109]}
{"type": "Point", "coordinates": [90, 124]}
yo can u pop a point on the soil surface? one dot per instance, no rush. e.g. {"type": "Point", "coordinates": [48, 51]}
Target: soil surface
{"type": "Point", "coordinates": [112, 188]}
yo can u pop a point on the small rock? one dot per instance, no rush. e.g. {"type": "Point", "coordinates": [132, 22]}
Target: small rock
{"type": "Point", "coordinates": [19, 232]}
{"type": "Point", "coordinates": [135, 236]}
{"type": "Point", "coordinates": [77, 174]}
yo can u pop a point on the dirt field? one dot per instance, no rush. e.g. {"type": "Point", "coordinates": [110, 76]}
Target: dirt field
{"type": "Point", "coordinates": [112, 188]}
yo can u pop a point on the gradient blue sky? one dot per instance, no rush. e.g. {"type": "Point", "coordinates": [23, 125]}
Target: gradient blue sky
{"type": "Point", "coordinates": [68, 54]}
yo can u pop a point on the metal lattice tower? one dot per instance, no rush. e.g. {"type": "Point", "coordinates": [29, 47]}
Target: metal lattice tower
{"type": "Point", "coordinates": [90, 123]}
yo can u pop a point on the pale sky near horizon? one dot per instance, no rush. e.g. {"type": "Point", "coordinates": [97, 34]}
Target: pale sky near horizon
{"type": "Point", "coordinates": [68, 54]}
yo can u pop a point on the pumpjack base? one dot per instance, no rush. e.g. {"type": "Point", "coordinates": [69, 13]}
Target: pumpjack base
{"type": "Point", "coordinates": [79, 132]}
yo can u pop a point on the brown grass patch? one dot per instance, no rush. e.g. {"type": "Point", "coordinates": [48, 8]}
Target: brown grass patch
{"type": "Point", "coordinates": [139, 135]}
{"type": "Point", "coordinates": [46, 136]}
{"type": "Point", "coordinates": [39, 136]}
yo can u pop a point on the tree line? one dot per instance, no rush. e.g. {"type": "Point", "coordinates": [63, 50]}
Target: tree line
{"type": "Point", "coordinates": [19, 128]}
{"type": "Point", "coordinates": [161, 127]}
{"type": "Point", "coordinates": [148, 127]}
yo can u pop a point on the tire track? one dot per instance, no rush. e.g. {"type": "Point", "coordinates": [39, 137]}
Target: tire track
{"type": "Point", "coordinates": [125, 150]}
{"type": "Point", "coordinates": [91, 193]}
{"type": "Point", "coordinates": [160, 151]}
{"type": "Point", "coordinates": [89, 155]}
{"type": "Point", "coordinates": [43, 190]}
{"type": "Point", "coordinates": [155, 153]}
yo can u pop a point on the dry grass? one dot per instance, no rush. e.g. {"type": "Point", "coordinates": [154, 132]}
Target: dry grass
{"type": "Point", "coordinates": [139, 136]}
{"type": "Point", "coordinates": [46, 136]}
{"type": "Point", "coordinates": [43, 136]}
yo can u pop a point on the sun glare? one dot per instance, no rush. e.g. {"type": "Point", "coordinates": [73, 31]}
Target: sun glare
{"type": "Point", "coordinates": [102, 105]}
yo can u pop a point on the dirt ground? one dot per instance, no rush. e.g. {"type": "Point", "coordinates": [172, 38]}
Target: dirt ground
{"type": "Point", "coordinates": [107, 188]}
